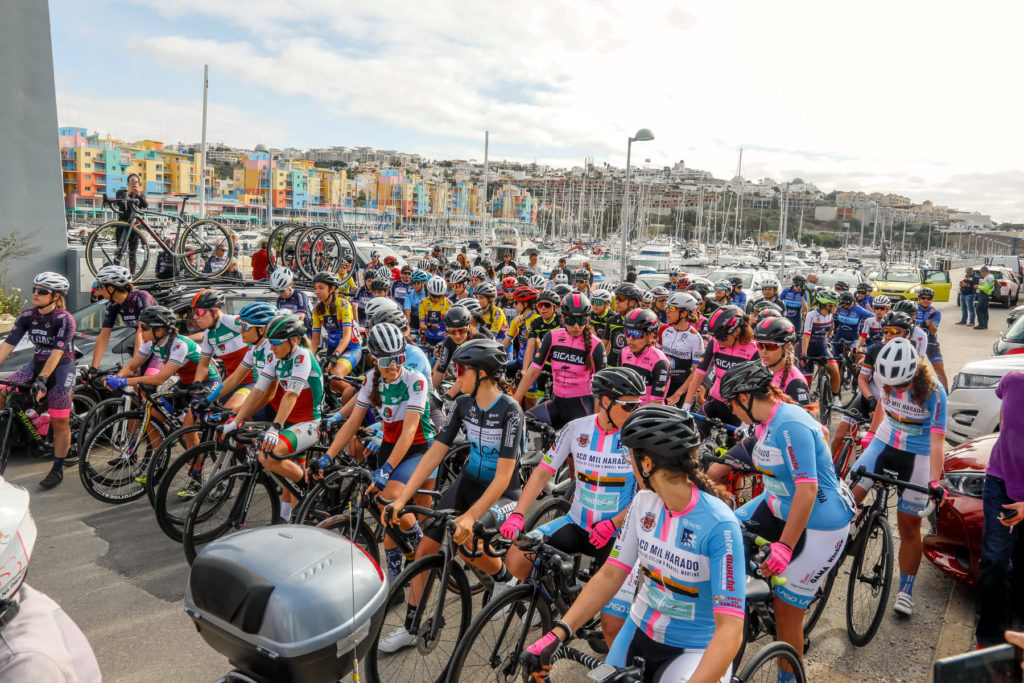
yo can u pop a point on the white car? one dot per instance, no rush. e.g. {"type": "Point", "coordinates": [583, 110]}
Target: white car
{"type": "Point", "coordinates": [973, 409]}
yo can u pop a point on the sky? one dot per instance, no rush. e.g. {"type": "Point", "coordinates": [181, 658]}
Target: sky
{"type": "Point", "coordinates": [916, 98]}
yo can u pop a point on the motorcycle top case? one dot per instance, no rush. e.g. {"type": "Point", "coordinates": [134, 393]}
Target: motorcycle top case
{"type": "Point", "coordinates": [287, 602]}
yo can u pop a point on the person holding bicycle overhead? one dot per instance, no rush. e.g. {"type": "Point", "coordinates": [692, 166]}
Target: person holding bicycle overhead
{"type": "Point", "coordinates": [489, 482]}
{"type": "Point", "coordinates": [805, 509]}
{"type": "Point", "coordinates": [334, 326]}
{"type": "Point", "coordinates": [132, 193]}
{"type": "Point", "coordinates": [816, 336]}
{"type": "Point", "coordinates": [115, 285]}
{"type": "Point", "coordinates": [51, 329]}
{"type": "Point", "coordinates": [906, 436]}
{"type": "Point", "coordinates": [296, 425]}
{"type": "Point", "coordinates": [687, 618]}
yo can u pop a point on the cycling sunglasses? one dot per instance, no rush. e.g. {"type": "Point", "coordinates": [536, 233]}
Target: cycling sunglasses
{"type": "Point", "coordinates": [545, 304]}
{"type": "Point", "coordinates": [768, 346]}
{"type": "Point", "coordinates": [575, 320]}
{"type": "Point", "coordinates": [244, 326]}
{"type": "Point", "coordinates": [894, 330]}
{"type": "Point", "coordinates": [924, 298]}
{"type": "Point", "coordinates": [628, 406]}
{"type": "Point", "coordinates": [42, 291]}
{"type": "Point", "coordinates": [635, 334]}
{"type": "Point", "coordinates": [144, 327]}
{"type": "Point", "coordinates": [458, 330]}
{"type": "Point", "coordinates": [388, 361]}
{"type": "Point", "coordinates": [276, 342]}
{"type": "Point", "coordinates": [200, 312]}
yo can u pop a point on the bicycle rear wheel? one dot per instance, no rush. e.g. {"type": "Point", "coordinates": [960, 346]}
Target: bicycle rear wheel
{"type": "Point", "coordinates": [320, 250]}
{"type": "Point", "coordinates": [361, 534]}
{"type": "Point", "coordinates": [548, 511]}
{"type": "Point", "coordinates": [327, 499]}
{"type": "Point", "coordinates": [198, 246]}
{"type": "Point", "coordinates": [116, 456]}
{"type": "Point", "coordinates": [870, 581]}
{"type": "Point", "coordinates": [180, 482]}
{"type": "Point", "coordinates": [81, 404]}
{"type": "Point", "coordinates": [764, 666]}
{"type": "Point", "coordinates": [176, 443]}
{"type": "Point", "coordinates": [103, 248]}
{"type": "Point", "coordinates": [820, 599]}
{"type": "Point", "coordinates": [824, 389]}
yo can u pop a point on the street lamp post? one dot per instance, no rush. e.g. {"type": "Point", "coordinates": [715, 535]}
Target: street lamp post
{"type": "Point", "coordinates": [642, 135]}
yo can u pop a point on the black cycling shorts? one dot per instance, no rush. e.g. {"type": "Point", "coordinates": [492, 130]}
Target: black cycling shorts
{"type": "Point", "coordinates": [461, 495]}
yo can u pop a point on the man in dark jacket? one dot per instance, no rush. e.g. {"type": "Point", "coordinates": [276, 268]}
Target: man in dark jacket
{"type": "Point", "coordinates": [968, 290]}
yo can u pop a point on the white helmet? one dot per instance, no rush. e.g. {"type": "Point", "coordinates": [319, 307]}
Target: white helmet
{"type": "Point", "coordinates": [385, 341]}
{"type": "Point", "coordinates": [17, 537]}
{"type": "Point", "coordinates": [478, 272]}
{"type": "Point", "coordinates": [471, 304]}
{"type": "Point", "coordinates": [647, 297]}
{"type": "Point", "coordinates": [281, 279]}
{"type": "Point", "coordinates": [458, 277]}
{"type": "Point", "coordinates": [436, 286]}
{"type": "Point", "coordinates": [380, 303]}
{"type": "Point", "coordinates": [561, 279]}
{"type": "Point", "coordinates": [601, 296]}
{"type": "Point", "coordinates": [897, 362]}
{"type": "Point", "coordinates": [53, 281]}
{"type": "Point", "coordinates": [770, 281]}
{"type": "Point", "coordinates": [113, 275]}
{"type": "Point", "coordinates": [537, 281]}
{"type": "Point", "coordinates": [683, 301]}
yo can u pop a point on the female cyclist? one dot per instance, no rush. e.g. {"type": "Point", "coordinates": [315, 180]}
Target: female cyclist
{"type": "Point", "coordinates": [581, 281]}
{"type": "Point", "coordinates": [775, 338]}
{"type": "Point", "coordinates": [805, 510]}
{"type": "Point", "coordinates": [545, 321]}
{"type": "Point", "coordinates": [115, 285]}
{"type": "Point", "coordinates": [222, 337]}
{"type": "Point", "coordinates": [871, 328]}
{"type": "Point", "coordinates": [918, 336]}
{"type": "Point", "coordinates": [929, 318]}
{"type": "Point", "coordinates": [51, 330]}
{"type": "Point", "coordinates": [432, 310]}
{"type": "Point", "coordinates": [680, 341]}
{"type": "Point", "coordinates": [574, 353]}
{"type": "Point", "coordinates": [252, 321]}
{"type": "Point", "coordinates": [602, 315]}
{"type": "Point", "coordinates": [641, 327]}
{"type": "Point", "coordinates": [296, 426]}
{"type": "Point", "coordinates": [458, 281]}
{"type": "Point", "coordinates": [687, 618]}
{"type": "Point", "coordinates": [461, 328]}
{"type": "Point", "coordinates": [289, 298]}
{"type": "Point", "coordinates": [817, 333]}
{"type": "Point", "coordinates": [605, 485]}
{"type": "Point", "coordinates": [660, 304]}
{"type": "Point", "coordinates": [334, 326]}
{"type": "Point", "coordinates": [493, 317]}
{"type": "Point", "coordinates": [908, 430]}
{"type": "Point", "coordinates": [493, 425]}
{"type": "Point", "coordinates": [414, 297]}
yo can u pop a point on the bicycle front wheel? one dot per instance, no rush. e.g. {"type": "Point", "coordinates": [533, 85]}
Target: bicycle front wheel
{"type": "Point", "coordinates": [198, 247]}
{"type": "Point", "coordinates": [181, 482]}
{"type": "Point", "coordinates": [81, 405]}
{"type": "Point", "coordinates": [119, 244]}
{"type": "Point", "coordinates": [116, 455]}
{"type": "Point", "coordinates": [764, 666]}
{"type": "Point", "coordinates": [870, 581]}
{"type": "Point", "coordinates": [824, 386]}
{"type": "Point", "coordinates": [174, 444]}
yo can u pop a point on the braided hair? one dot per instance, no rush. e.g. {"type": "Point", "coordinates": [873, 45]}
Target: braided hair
{"type": "Point", "coordinates": [689, 466]}
{"type": "Point", "coordinates": [375, 399]}
{"type": "Point", "coordinates": [588, 341]}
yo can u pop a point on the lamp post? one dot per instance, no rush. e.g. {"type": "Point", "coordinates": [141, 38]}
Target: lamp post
{"type": "Point", "coordinates": [642, 135]}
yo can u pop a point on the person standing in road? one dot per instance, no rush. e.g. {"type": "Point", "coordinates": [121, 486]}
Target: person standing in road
{"type": "Point", "coordinates": [1003, 504]}
{"type": "Point", "coordinates": [986, 287]}
{"type": "Point", "coordinates": [968, 288]}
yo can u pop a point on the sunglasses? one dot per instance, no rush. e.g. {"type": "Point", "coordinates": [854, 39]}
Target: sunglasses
{"type": "Point", "coordinates": [41, 291]}
{"type": "Point", "coordinates": [628, 406]}
{"type": "Point", "coordinates": [545, 305]}
{"type": "Point", "coordinates": [390, 361]}
{"type": "Point", "coordinates": [620, 298]}
{"type": "Point", "coordinates": [144, 327]}
{"type": "Point", "coordinates": [575, 320]}
{"type": "Point", "coordinates": [200, 312]}
{"type": "Point", "coordinates": [879, 307]}
{"type": "Point", "coordinates": [458, 330]}
{"type": "Point", "coordinates": [276, 342]}
{"type": "Point", "coordinates": [924, 298]}
{"type": "Point", "coordinates": [894, 330]}
{"type": "Point", "coordinates": [635, 334]}
{"type": "Point", "coordinates": [244, 326]}
{"type": "Point", "coordinates": [768, 346]}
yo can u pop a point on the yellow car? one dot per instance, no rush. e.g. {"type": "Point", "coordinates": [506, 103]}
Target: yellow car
{"type": "Point", "coordinates": [902, 282]}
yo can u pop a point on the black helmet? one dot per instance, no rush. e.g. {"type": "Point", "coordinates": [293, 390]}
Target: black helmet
{"type": "Point", "coordinates": [158, 316]}
{"type": "Point", "coordinates": [562, 289]}
{"type": "Point", "coordinates": [905, 306]}
{"type": "Point", "coordinates": [458, 316]}
{"type": "Point", "coordinates": [700, 287]}
{"type": "Point", "coordinates": [629, 291]}
{"type": "Point", "coordinates": [208, 298]}
{"type": "Point", "coordinates": [762, 305]}
{"type": "Point", "coordinates": [377, 285]}
{"type": "Point", "coordinates": [390, 315]}
{"type": "Point", "coordinates": [898, 319]}
{"type": "Point", "coordinates": [576, 303]}
{"type": "Point", "coordinates": [485, 289]}
{"type": "Point", "coordinates": [710, 305]}
{"type": "Point", "coordinates": [643, 319]}
{"type": "Point", "coordinates": [846, 298]}
{"type": "Point", "coordinates": [483, 354]}
{"type": "Point", "coordinates": [841, 286]}
{"type": "Point", "coordinates": [725, 321]}
{"type": "Point", "coordinates": [926, 291]}
{"type": "Point", "coordinates": [736, 280]}
{"type": "Point", "coordinates": [285, 327]}
{"type": "Point", "coordinates": [778, 330]}
{"type": "Point", "coordinates": [328, 278]}
{"type": "Point", "coordinates": [550, 296]}
{"type": "Point", "coordinates": [799, 280]}
{"type": "Point", "coordinates": [863, 287]}
{"type": "Point", "coordinates": [751, 377]}
{"type": "Point", "coordinates": [616, 382]}
{"type": "Point", "coordinates": [662, 430]}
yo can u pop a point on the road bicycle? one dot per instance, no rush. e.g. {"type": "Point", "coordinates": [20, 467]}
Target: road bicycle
{"type": "Point", "coordinates": [193, 248]}
{"type": "Point", "coordinates": [744, 481]}
{"type": "Point", "coordinates": [849, 367]}
{"type": "Point", "coordinates": [821, 388]}
{"type": "Point", "coordinates": [850, 449]}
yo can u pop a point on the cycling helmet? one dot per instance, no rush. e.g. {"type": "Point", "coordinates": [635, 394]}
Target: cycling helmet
{"type": "Point", "coordinates": [509, 283]}
{"type": "Point", "coordinates": [458, 277]}
{"type": "Point", "coordinates": [736, 280]}
{"type": "Point", "coordinates": [881, 301]}
{"type": "Point", "coordinates": [508, 270]}
{"type": "Point", "coordinates": [524, 294]}
{"type": "Point", "coordinates": [629, 291]}
{"type": "Point", "coordinates": [384, 273]}
{"type": "Point", "coordinates": [285, 327]}
{"type": "Point", "coordinates": [158, 316]}
{"type": "Point", "coordinates": [550, 296]}
{"type": "Point", "coordinates": [898, 319]}
{"type": "Point", "coordinates": [646, 297]}
{"type": "Point", "coordinates": [751, 377]}
{"type": "Point", "coordinates": [391, 316]}
{"type": "Point", "coordinates": [374, 254]}
{"type": "Point", "coordinates": [561, 279]}
{"type": "Point", "coordinates": [52, 281]}
{"type": "Point", "coordinates": [471, 304]}
{"type": "Point", "coordinates": [457, 317]}
{"type": "Point", "coordinates": [580, 276]}
{"type": "Point", "coordinates": [897, 362]}
{"type": "Point", "coordinates": [18, 531]}
{"type": "Point", "coordinates": [659, 292]}
{"type": "Point", "coordinates": [385, 341]}
{"type": "Point", "coordinates": [576, 303]}
{"type": "Point", "coordinates": [799, 281]}
{"type": "Point", "coordinates": [379, 303]}
{"type": "Point", "coordinates": [701, 288]}
{"type": "Point", "coordinates": [906, 306]}
{"type": "Point", "coordinates": [115, 276]}
{"type": "Point", "coordinates": [536, 281]}
{"type": "Point", "coordinates": [436, 286]}
{"type": "Point", "coordinates": [710, 304]}
{"type": "Point", "coordinates": [481, 354]}
{"type": "Point", "coordinates": [643, 319]}
{"type": "Point", "coordinates": [826, 297]}
{"type": "Point", "coordinates": [378, 285]}
{"type": "Point", "coordinates": [725, 321]}
{"type": "Point", "coordinates": [776, 329]}
{"type": "Point", "coordinates": [328, 278]}
{"type": "Point", "coordinates": [529, 272]}
{"type": "Point", "coordinates": [617, 382]}
{"type": "Point", "coordinates": [662, 430]}
{"type": "Point", "coordinates": [347, 258]}
{"type": "Point", "coordinates": [479, 272]}
{"type": "Point", "coordinates": [406, 270]}
{"type": "Point", "coordinates": [841, 286]}
{"type": "Point", "coordinates": [208, 298]}
{"type": "Point", "coordinates": [433, 263]}
{"type": "Point", "coordinates": [257, 313]}
{"type": "Point", "coordinates": [846, 298]}
{"type": "Point", "coordinates": [390, 261]}
{"type": "Point", "coordinates": [762, 305]}
{"type": "Point", "coordinates": [770, 281]}
{"type": "Point", "coordinates": [768, 313]}
{"type": "Point", "coordinates": [863, 287]}
{"type": "Point", "coordinates": [683, 301]}
{"type": "Point", "coordinates": [562, 289]}
{"type": "Point", "coordinates": [485, 289]}
{"type": "Point", "coordinates": [924, 291]}
{"type": "Point", "coordinates": [281, 279]}
{"type": "Point", "coordinates": [673, 271]}
{"type": "Point", "coordinates": [723, 284]}
{"type": "Point", "coordinates": [600, 296]}
{"type": "Point", "coordinates": [420, 275]}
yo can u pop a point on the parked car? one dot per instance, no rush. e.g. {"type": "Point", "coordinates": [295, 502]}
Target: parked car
{"type": "Point", "coordinates": [752, 277]}
{"type": "Point", "coordinates": [973, 408]}
{"type": "Point", "coordinates": [903, 282]}
{"type": "Point", "coordinates": [1011, 341]}
{"type": "Point", "coordinates": [1007, 291]}
{"type": "Point", "coordinates": [828, 278]}
{"type": "Point", "coordinates": [955, 547]}
{"type": "Point", "coordinates": [1014, 315]}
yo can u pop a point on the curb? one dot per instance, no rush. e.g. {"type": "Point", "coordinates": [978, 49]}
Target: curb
{"type": "Point", "coordinates": [957, 625]}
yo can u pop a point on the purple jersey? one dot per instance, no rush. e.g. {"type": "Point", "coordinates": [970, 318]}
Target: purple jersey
{"type": "Point", "coordinates": [129, 310]}
{"type": "Point", "coordinates": [54, 331]}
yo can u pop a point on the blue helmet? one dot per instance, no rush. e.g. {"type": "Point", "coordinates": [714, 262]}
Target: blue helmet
{"type": "Point", "coordinates": [420, 275]}
{"type": "Point", "coordinates": [257, 313]}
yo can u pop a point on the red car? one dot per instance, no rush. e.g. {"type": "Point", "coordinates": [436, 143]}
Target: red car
{"type": "Point", "coordinates": [956, 546]}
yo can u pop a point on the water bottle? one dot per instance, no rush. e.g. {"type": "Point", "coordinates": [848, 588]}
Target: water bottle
{"type": "Point", "coordinates": [40, 422]}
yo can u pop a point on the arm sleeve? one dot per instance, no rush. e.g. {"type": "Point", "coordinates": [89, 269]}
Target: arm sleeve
{"type": "Point", "coordinates": [178, 353]}
{"type": "Point", "coordinates": [599, 355]}
{"type": "Point", "coordinates": [18, 331]}
{"type": "Point", "coordinates": [659, 378]}
{"type": "Point", "coordinates": [110, 314]}
{"type": "Point", "coordinates": [418, 395]}
{"type": "Point", "coordinates": [445, 359]}
{"type": "Point", "coordinates": [541, 356]}
{"type": "Point", "coordinates": [728, 578]}
{"type": "Point", "coordinates": [796, 389]}
{"type": "Point", "coordinates": [799, 452]}
{"type": "Point", "coordinates": [624, 554]}
{"type": "Point", "coordinates": [423, 310]}
{"type": "Point", "coordinates": [363, 397]}
{"type": "Point", "coordinates": [452, 423]}
{"type": "Point", "coordinates": [559, 451]}
{"type": "Point", "coordinates": [205, 347]}
{"type": "Point", "coordinates": [299, 376]}
{"type": "Point", "coordinates": [143, 202]}
{"type": "Point", "coordinates": [512, 438]}
{"type": "Point", "coordinates": [64, 338]}
{"type": "Point", "coordinates": [318, 321]}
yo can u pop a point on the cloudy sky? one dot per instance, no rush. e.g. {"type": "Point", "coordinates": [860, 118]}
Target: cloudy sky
{"type": "Point", "coordinates": [919, 98]}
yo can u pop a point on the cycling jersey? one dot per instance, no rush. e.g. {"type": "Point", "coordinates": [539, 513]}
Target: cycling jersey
{"type": "Point", "coordinates": [348, 285]}
{"type": "Point", "coordinates": [257, 358]}
{"type": "Point", "coordinates": [495, 321]}
{"type": "Point", "coordinates": [400, 290]}
{"type": "Point", "coordinates": [494, 433]}
{"type": "Point", "coordinates": [416, 359]}
{"type": "Point", "coordinates": [907, 425]}
{"type": "Point", "coordinates": [739, 299]}
{"type": "Point", "coordinates": [919, 338]}
{"type": "Point", "coordinates": [432, 313]}
{"type": "Point", "coordinates": [566, 356]}
{"type": "Point", "coordinates": [362, 297]}
{"type": "Point", "coordinates": [928, 315]}
{"type": "Point", "coordinates": [448, 348]}
{"type": "Point", "coordinates": [519, 330]}
{"type": "Point", "coordinates": [224, 340]}
{"type": "Point", "coordinates": [130, 309]}
{"type": "Point", "coordinates": [617, 337]}
{"type": "Point", "coordinates": [299, 373]}
{"type": "Point", "coordinates": [817, 326]}
{"type": "Point", "coordinates": [298, 303]}
{"type": "Point", "coordinates": [600, 324]}
{"type": "Point", "coordinates": [605, 483]}
{"type": "Point", "coordinates": [54, 331]}
{"type": "Point", "coordinates": [724, 359]}
{"type": "Point", "coordinates": [871, 331]}
{"type": "Point", "coordinates": [180, 351]}
{"type": "Point", "coordinates": [409, 393]}
{"type": "Point", "coordinates": [336, 318]}
{"type": "Point", "coordinates": [867, 367]}
{"type": "Point", "coordinates": [793, 383]}
{"type": "Point", "coordinates": [691, 567]}
{"type": "Point", "coordinates": [848, 322]}
{"type": "Point", "coordinates": [412, 302]}
{"type": "Point", "coordinates": [682, 347]}
{"type": "Point", "coordinates": [539, 327]}
{"type": "Point", "coordinates": [654, 367]}
{"type": "Point", "coordinates": [793, 303]}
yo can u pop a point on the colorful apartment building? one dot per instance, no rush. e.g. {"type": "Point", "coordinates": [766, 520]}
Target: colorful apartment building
{"type": "Point", "coordinates": [512, 203]}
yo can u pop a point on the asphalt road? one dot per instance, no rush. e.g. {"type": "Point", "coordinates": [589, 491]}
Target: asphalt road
{"type": "Point", "coordinates": [123, 582]}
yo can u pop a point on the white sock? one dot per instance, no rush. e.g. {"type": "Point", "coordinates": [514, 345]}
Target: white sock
{"type": "Point", "coordinates": [286, 511]}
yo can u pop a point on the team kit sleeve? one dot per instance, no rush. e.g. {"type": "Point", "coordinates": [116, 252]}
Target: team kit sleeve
{"type": "Point", "coordinates": [302, 366]}
{"type": "Point", "coordinates": [598, 354]}
{"type": "Point", "coordinates": [445, 358]}
{"type": "Point", "coordinates": [318, 321]}
{"type": "Point", "coordinates": [453, 423]}
{"type": "Point", "coordinates": [938, 411]}
{"type": "Point", "coordinates": [205, 347]}
{"type": "Point", "coordinates": [559, 451]}
{"type": "Point", "coordinates": [660, 374]}
{"type": "Point", "coordinates": [625, 552]}
{"type": "Point", "coordinates": [363, 397]}
{"type": "Point", "coordinates": [110, 315]}
{"type": "Point", "coordinates": [418, 395]}
{"type": "Point", "coordinates": [728, 577]}
{"type": "Point", "coordinates": [541, 356]}
{"type": "Point", "coordinates": [705, 361]}
{"type": "Point", "coordinates": [64, 336]}
{"type": "Point", "coordinates": [512, 437]}
{"type": "Point", "coordinates": [178, 353]}
{"type": "Point", "coordinates": [267, 375]}
{"type": "Point", "coordinates": [799, 452]}
{"type": "Point", "coordinates": [145, 350]}
{"type": "Point", "coordinates": [19, 329]}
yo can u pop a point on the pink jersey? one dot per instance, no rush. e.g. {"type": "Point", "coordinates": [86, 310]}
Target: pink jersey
{"type": "Point", "coordinates": [720, 359]}
{"type": "Point", "coordinates": [568, 358]}
{"type": "Point", "coordinates": [654, 366]}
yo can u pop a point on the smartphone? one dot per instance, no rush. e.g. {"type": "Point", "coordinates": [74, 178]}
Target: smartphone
{"type": "Point", "coordinates": [999, 664]}
{"type": "Point", "coordinates": [1009, 514]}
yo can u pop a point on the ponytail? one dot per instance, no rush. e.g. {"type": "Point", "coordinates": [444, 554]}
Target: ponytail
{"type": "Point", "coordinates": [588, 360]}
{"type": "Point", "coordinates": [688, 465]}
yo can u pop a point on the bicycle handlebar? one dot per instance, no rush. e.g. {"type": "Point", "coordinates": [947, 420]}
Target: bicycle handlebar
{"type": "Point", "coordinates": [933, 492]}
{"type": "Point", "coordinates": [714, 422]}
{"type": "Point", "coordinates": [539, 426]}
{"type": "Point", "coordinates": [750, 539]}
{"type": "Point", "coordinates": [853, 415]}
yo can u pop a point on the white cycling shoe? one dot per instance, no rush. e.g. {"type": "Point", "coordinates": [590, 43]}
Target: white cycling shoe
{"type": "Point", "coordinates": [398, 640]}
{"type": "Point", "coordinates": [904, 604]}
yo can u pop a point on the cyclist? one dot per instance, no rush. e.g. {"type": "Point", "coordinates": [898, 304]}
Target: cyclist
{"type": "Point", "coordinates": [794, 298]}
{"type": "Point", "coordinates": [581, 281]}
{"type": "Point", "coordinates": [627, 298]}
{"type": "Point", "coordinates": [402, 285]}
{"type": "Point", "coordinates": [907, 434]}
{"type": "Point", "coordinates": [477, 276]}
{"type": "Point", "coordinates": [863, 295]}
{"type": "Point", "coordinates": [380, 289]}
{"type": "Point", "coordinates": [602, 315]}
{"type": "Point", "coordinates": [850, 318]}
{"type": "Point", "coordinates": [739, 297]}
{"type": "Point", "coordinates": [687, 618]}
{"type": "Point", "coordinates": [660, 303]}
{"type": "Point", "coordinates": [334, 326]}
{"type": "Point", "coordinates": [769, 292]}
{"type": "Point", "coordinates": [362, 295]}
{"type": "Point", "coordinates": [391, 263]}
{"type": "Point", "coordinates": [805, 510]}
{"type": "Point", "coordinates": [673, 279]}
{"type": "Point", "coordinates": [457, 281]}
{"type": "Point", "coordinates": [918, 336]}
{"type": "Point", "coordinates": [775, 338]}
{"type": "Point", "coordinates": [461, 327]}
{"type": "Point", "coordinates": [432, 312]}
{"type": "Point", "coordinates": [51, 330]}
{"type": "Point", "coordinates": [723, 293]}
{"type": "Point", "coordinates": [414, 297]}
{"type": "Point", "coordinates": [681, 341]}
{"type": "Point", "coordinates": [415, 359]}
{"type": "Point", "coordinates": [493, 424]}
{"type": "Point", "coordinates": [871, 328]}
{"type": "Point", "coordinates": [928, 318]}
{"type": "Point", "coordinates": [252, 321]}
{"type": "Point", "coordinates": [508, 285]}
{"type": "Point", "coordinates": [545, 321]}
{"type": "Point", "coordinates": [346, 277]}
{"type": "Point", "coordinates": [817, 333]}
{"type": "Point", "coordinates": [493, 317]}
{"type": "Point", "coordinates": [573, 353]}
{"type": "Point", "coordinates": [282, 282]}
{"type": "Point", "coordinates": [115, 285]}
{"type": "Point", "coordinates": [605, 485]}
{"type": "Point", "coordinates": [222, 337]}
{"type": "Point", "coordinates": [641, 354]}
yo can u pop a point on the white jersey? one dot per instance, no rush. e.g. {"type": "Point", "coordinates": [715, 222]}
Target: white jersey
{"type": "Point", "coordinates": [920, 340]}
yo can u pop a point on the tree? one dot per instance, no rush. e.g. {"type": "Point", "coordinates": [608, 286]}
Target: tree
{"type": "Point", "coordinates": [223, 169]}
{"type": "Point", "coordinates": [361, 199]}
{"type": "Point", "coordinates": [831, 196]}
{"type": "Point", "coordinates": [13, 247]}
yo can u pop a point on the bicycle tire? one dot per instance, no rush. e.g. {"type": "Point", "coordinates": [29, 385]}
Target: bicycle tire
{"type": "Point", "coordinates": [548, 510]}
{"type": "Point", "coordinates": [394, 617]}
{"type": "Point", "coordinates": [99, 412]}
{"type": "Point", "coordinates": [195, 249]}
{"type": "Point", "coordinates": [164, 455]}
{"type": "Point", "coordinates": [362, 536]}
{"type": "Point", "coordinates": [328, 498]}
{"type": "Point", "coordinates": [844, 459]}
{"type": "Point", "coordinates": [881, 578]}
{"type": "Point", "coordinates": [5, 448]}
{"type": "Point", "coordinates": [823, 380]}
{"type": "Point", "coordinates": [767, 661]}
{"type": "Point", "coordinates": [490, 664]}
{"type": "Point", "coordinates": [117, 481]}
{"type": "Point", "coordinates": [275, 242]}
{"type": "Point", "coordinates": [451, 467]}
{"type": "Point", "coordinates": [324, 260]}
{"type": "Point", "coordinates": [169, 507]}
{"type": "Point", "coordinates": [231, 488]}
{"type": "Point", "coordinates": [817, 605]}
{"type": "Point", "coordinates": [101, 249]}
{"type": "Point", "coordinates": [81, 405]}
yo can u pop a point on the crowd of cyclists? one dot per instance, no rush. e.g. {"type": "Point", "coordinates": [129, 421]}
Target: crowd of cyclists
{"type": "Point", "coordinates": [631, 379]}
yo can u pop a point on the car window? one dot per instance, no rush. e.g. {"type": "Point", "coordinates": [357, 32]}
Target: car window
{"type": "Point", "coordinates": [900, 276]}
{"type": "Point", "coordinates": [725, 274]}
{"type": "Point", "coordinates": [234, 304]}
{"type": "Point", "coordinates": [89, 320]}
{"type": "Point", "coordinates": [1016, 333]}
{"type": "Point", "coordinates": [940, 276]}
{"type": "Point", "coordinates": [830, 279]}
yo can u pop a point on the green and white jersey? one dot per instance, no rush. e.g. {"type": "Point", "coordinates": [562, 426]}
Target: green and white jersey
{"type": "Point", "coordinates": [409, 392]}
{"type": "Point", "coordinates": [258, 357]}
{"type": "Point", "coordinates": [300, 374]}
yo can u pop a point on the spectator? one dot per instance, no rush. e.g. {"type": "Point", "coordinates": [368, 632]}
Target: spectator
{"type": "Point", "coordinates": [232, 273]}
{"type": "Point", "coordinates": [165, 262]}
{"type": "Point", "coordinates": [1002, 551]}
{"type": "Point", "coordinates": [260, 261]}
{"type": "Point", "coordinates": [442, 260]}
{"type": "Point", "coordinates": [986, 287]}
{"type": "Point", "coordinates": [124, 214]}
{"type": "Point", "coordinates": [534, 256]}
{"type": "Point", "coordinates": [968, 288]}
{"type": "Point", "coordinates": [631, 276]}
{"type": "Point", "coordinates": [812, 282]}
{"type": "Point", "coordinates": [219, 257]}
{"type": "Point", "coordinates": [463, 262]}
{"type": "Point", "coordinates": [586, 267]}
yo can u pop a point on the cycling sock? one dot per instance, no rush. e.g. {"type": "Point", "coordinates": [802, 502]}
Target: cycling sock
{"type": "Point", "coordinates": [785, 676]}
{"type": "Point", "coordinates": [415, 535]}
{"type": "Point", "coordinates": [503, 574]}
{"type": "Point", "coordinates": [393, 558]}
{"type": "Point", "coordinates": [410, 615]}
{"type": "Point", "coordinates": [58, 465]}
{"type": "Point", "coordinates": [286, 511]}
{"type": "Point", "coordinates": [907, 583]}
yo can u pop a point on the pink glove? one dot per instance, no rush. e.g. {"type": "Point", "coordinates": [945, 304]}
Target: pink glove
{"type": "Point", "coordinates": [601, 533]}
{"type": "Point", "coordinates": [779, 557]}
{"type": "Point", "coordinates": [512, 526]}
{"type": "Point", "coordinates": [866, 440]}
